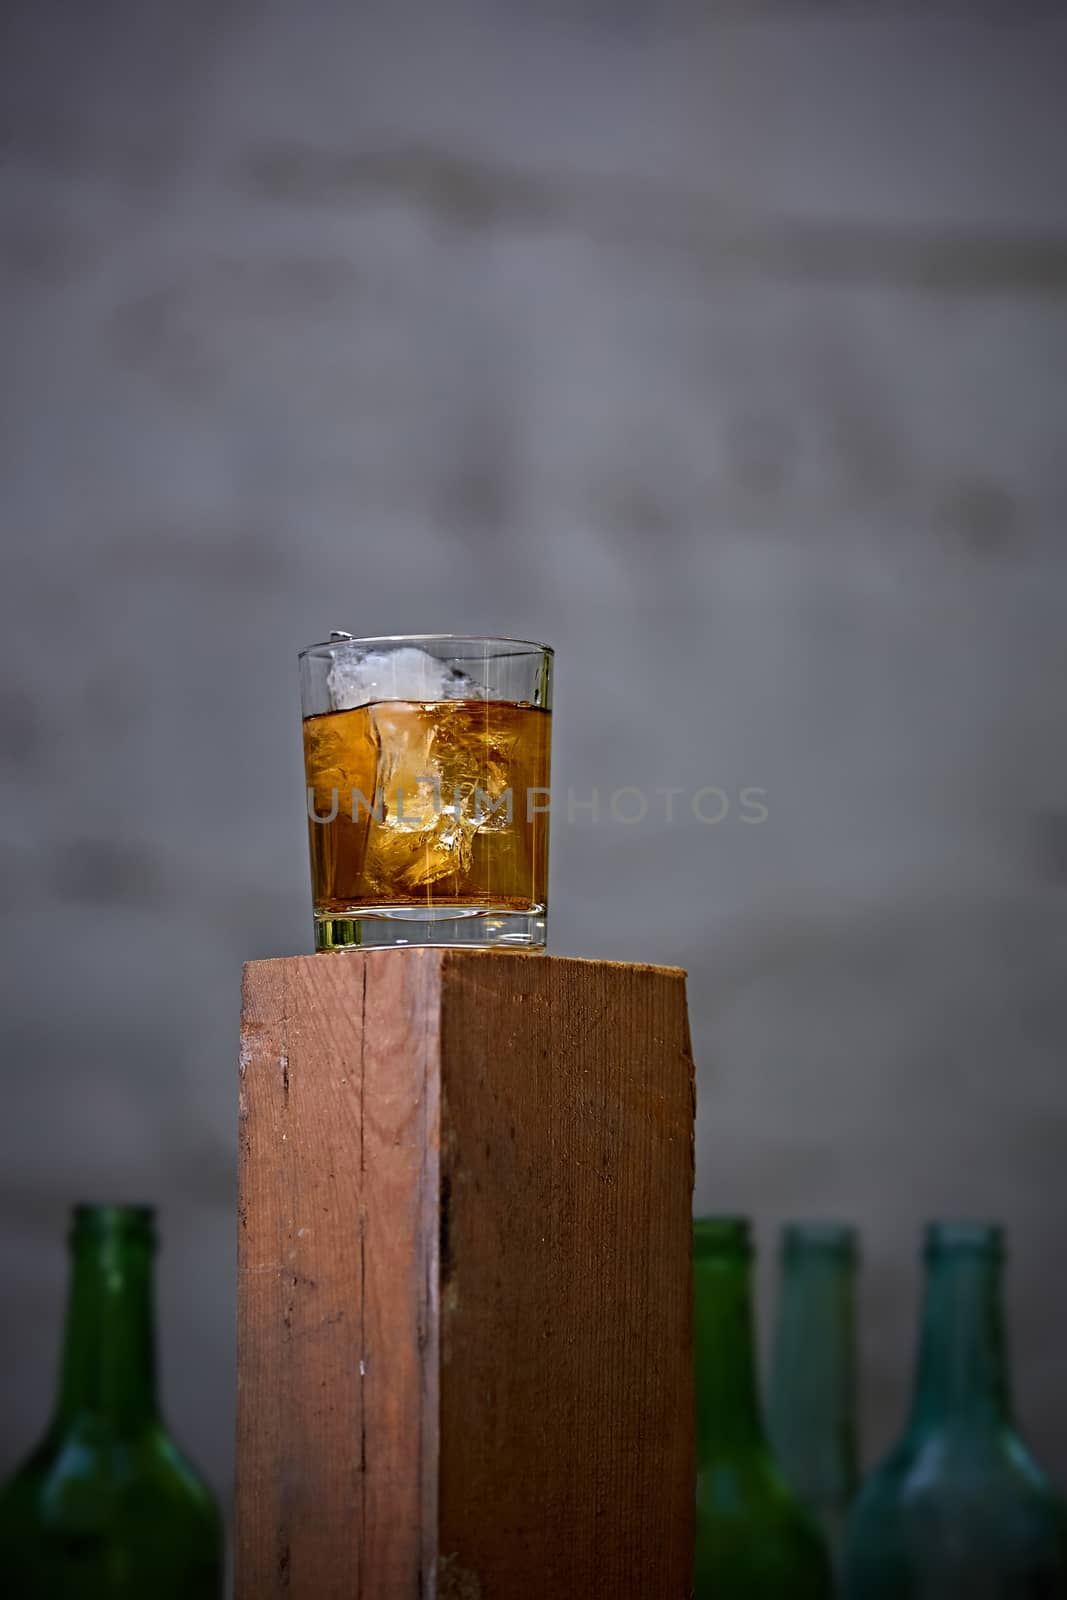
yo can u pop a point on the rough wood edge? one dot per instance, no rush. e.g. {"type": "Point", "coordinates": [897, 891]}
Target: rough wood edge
{"type": "Point", "coordinates": [448, 952]}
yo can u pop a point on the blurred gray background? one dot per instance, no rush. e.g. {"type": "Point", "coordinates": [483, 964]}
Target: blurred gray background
{"type": "Point", "coordinates": [724, 346]}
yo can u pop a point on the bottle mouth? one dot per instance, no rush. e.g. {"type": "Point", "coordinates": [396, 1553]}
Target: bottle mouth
{"type": "Point", "coordinates": [960, 1237]}
{"type": "Point", "coordinates": [837, 1239]}
{"type": "Point", "coordinates": [721, 1236]}
{"type": "Point", "coordinates": [92, 1221]}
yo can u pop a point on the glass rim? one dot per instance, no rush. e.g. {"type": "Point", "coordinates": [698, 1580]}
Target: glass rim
{"type": "Point", "coordinates": [728, 1234]}
{"type": "Point", "coordinates": [92, 1220]}
{"type": "Point", "coordinates": [815, 1236]}
{"type": "Point", "coordinates": [964, 1236]}
{"type": "Point", "coordinates": [525, 646]}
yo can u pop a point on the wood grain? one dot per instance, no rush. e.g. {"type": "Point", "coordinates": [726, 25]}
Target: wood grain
{"type": "Point", "coordinates": [464, 1359]}
{"type": "Point", "coordinates": [337, 1261]}
{"type": "Point", "coordinates": [566, 1408]}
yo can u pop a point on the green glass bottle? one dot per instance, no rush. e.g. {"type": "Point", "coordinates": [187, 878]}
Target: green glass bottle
{"type": "Point", "coordinates": [106, 1508]}
{"type": "Point", "coordinates": [811, 1415]}
{"type": "Point", "coordinates": [959, 1508]}
{"type": "Point", "coordinates": [754, 1541]}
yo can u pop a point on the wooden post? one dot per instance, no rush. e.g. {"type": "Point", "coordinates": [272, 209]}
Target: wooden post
{"type": "Point", "coordinates": [464, 1341]}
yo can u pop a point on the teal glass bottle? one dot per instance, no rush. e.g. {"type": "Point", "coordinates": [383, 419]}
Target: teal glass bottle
{"type": "Point", "coordinates": [811, 1413]}
{"type": "Point", "coordinates": [754, 1541]}
{"type": "Point", "coordinates": [959, 1507]}
{"type": "Point", "coordinates": [106, 1507]}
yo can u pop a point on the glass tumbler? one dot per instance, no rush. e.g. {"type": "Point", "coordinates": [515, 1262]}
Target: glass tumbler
{"type": "Point", "coordinates": [427, 767]}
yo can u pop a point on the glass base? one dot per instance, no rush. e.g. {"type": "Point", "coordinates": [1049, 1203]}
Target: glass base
{"type": "Point", "coordinates": [459, 927]}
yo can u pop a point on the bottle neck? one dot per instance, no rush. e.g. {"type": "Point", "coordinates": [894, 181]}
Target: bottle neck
{"type": "Point", "coordinates": [962, 1374]}
{"type": "Point", "coordinates": [109, 1359]}
{"type": "Point", "coordinates": [728, 1412]}
{"type": "Point", "coordinates": [813, 1375]}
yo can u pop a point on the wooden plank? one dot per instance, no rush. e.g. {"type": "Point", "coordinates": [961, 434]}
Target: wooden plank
{"type": "Point", "coordinates": [337, 1252]}
{"type": "Point", "coordinates": [464, 1328]}
{"type": "Point", "coordinates": [566, 1344]}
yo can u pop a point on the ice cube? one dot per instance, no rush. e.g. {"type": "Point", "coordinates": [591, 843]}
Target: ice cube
{"type": "Point", "coordinates": [360, 677]}
{"type": "Point", "coordinates": [439, 772]}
